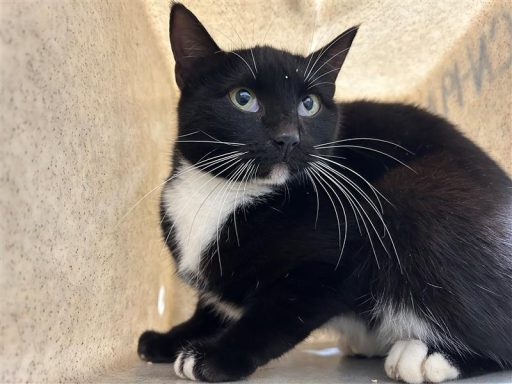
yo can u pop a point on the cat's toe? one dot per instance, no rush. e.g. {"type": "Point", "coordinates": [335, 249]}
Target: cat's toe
{"type": "Point", "coordinates": [185, 365]}
{"type": "Point", "coordinates": [437, 369]}
{"type": "Point", "coordinates": [408, 360]}
{"type": "Point", "coordinates": [155, 347]}
{"type": "Point", "coordinates": [391, 363]}
{"type": "Point", "coordinates": [203, 362]}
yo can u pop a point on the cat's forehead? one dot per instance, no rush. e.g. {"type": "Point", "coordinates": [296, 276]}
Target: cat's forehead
{"type": "Point", "coordinates": [271, 66]}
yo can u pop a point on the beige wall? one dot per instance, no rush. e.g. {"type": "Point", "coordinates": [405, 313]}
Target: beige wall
{"type": "Point", "coordinates": [85, 121]}
{"type": "Point", "coordinates": [472, 83]}
{"type": "Point", "coordinates": [87, 116]}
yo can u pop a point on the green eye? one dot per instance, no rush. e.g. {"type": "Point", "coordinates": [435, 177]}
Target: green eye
{"type": "Point", "coordinates": [309, 106]}
{"type": "Point", "coordinates": [244, 99]}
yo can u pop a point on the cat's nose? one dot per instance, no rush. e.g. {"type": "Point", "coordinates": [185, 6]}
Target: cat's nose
{"type": "Point", "coordinates": [286, 141]}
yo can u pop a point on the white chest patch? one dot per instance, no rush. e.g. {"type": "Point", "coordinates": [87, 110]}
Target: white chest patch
{"type": "Point", "coordinates": [199, 204]}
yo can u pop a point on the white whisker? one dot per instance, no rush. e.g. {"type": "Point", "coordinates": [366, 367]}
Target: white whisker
{"type": "Point", "coordinates": [335, 157]}
{"type": "Point", "coordinates": [188, 134]}
{"type": "Point", "coordinates": [254, 61]}
{"type": "Point", "coordinates": [318, 84]}
{"type": "Point", "coordinates": [312, 82]}
{"type": "Point", "coordinates": [318, 178]}
{"type": "Point", "coordinates": [326, 49]}
{"type": "Point", "coordinates": [358, 208]}
{"type": "Point", "coordinates": [349, 201]}
{"type": "Point", "coordinates": [370, 149]}
{"type": "Point", "coordinates": [228, 164]}
{"type": "Point", "coordinates": [210, 141]}
{"type": "Point", "coordinates": [386, 230]}
{"type": "Point", "coordinates": [319, 173]}
{"type": "Point", "coordinates": [246, 63]}
{"type": "Point", "coordinates": [366, 138]}
{"type": "Point", "coordinates": [233, 178]}
{"type": "Point", "coordinates": [317, 198]}
{"type": "Point", "coordinates": [357, 174]}
{"type": "Point", "coordinates": [355, 186]}
{"type": "Point", "coordinates": [167, 180]}
{"type": "Point", "coordinates": [326, 62]}
{"type": "Point", "coordinates": [235, 201]}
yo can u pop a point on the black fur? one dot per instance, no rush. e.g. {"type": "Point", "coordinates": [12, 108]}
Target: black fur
{"type": "Point", "coordinates": [449, 216]}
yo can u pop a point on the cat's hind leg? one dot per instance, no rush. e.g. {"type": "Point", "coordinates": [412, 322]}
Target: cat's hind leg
{"type": "Point", "coordinates": [412, 361]}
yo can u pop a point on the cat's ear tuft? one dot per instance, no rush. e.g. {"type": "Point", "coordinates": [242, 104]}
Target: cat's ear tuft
{"type": "Point", "coordinates": [328, 60]}
{"type": "Point", "coordinates": [189, 42]}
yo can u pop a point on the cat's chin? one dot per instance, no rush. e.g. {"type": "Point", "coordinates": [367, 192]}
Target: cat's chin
{"type": "Point", "coordinates": [278, 175]}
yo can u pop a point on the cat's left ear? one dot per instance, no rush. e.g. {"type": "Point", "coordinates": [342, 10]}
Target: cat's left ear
{"type": "Point", "coordinates": [328, 60]}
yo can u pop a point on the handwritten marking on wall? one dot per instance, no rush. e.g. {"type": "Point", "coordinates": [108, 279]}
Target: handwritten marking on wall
{"type": "Point", "coordinates": [483, 63]}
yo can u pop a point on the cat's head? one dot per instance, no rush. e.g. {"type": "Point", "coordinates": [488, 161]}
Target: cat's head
{"type": "Point", "coordinates": [257, 112]}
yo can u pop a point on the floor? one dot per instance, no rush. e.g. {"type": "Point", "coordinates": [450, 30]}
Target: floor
{"type": "Point", "coordinates": [305, 365]}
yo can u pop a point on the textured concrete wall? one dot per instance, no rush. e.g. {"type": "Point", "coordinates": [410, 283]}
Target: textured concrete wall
{"type": "Point", "coordinates": [471, 84]}
{"type": "Point", "coordinates": [86, 120]}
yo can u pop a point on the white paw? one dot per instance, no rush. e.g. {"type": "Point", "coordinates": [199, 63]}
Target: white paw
{"type": "Point", "coordinates": [184, 365]}
{"type": "Point", "coordinates": [408, 361]}
{"type": "Point", "coordinates": [438, 369]}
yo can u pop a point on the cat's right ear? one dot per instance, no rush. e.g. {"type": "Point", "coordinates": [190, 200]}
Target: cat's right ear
{"type": "Point", "coordinates": [189, 42]}
{"type": "Point", "coordinates": [327, 61]}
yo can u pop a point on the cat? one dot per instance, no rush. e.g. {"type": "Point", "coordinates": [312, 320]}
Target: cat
{"type": "Point", "coordinates": [288, 211]}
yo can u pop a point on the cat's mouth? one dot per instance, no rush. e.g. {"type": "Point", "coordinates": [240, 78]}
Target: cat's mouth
{"type": "Point", "coordinates": [278, 175]}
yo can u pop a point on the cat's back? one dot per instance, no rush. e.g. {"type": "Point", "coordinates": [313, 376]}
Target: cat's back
{"type": "Point", "coordinates": [424, 134]}
{"type": "Point", "coordinates": [451, 213]}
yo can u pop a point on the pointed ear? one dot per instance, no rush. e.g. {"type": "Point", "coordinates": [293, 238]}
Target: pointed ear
{"type": "Point", "coordinates": [189, 41]}
{"type": "Point", "coordinates": [326, 62]}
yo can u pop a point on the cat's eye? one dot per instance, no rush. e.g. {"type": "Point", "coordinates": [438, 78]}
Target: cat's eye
{"type": "Point", "coordinates": [309, 106]}
{"type": "Point", "coordinates": [244, 99]}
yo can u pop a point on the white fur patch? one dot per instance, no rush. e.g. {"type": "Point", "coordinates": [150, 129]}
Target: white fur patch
{"type": "Point", "coordinates": [391, 363]}
{"type": "Point", "coordinates": [408, 361]}
{"type": "Point", "coordinates": [199, 204]}
{"type": "Point", "coordinates": [223, 308]}
{"type": "Point", "coordinates": [402, 324]}
{"type": "Point", "coordinates": [184, 366]}
{"type": "Point", "coordinates": [356, 338]}
{"type": "Point", "coordinates": [437, 369]}
{"type": "Point", "coordinates": [188, 367]}
{"type": "Point", "coordinates": [177, 366]}
{"type": "Point", "coordinates": [278, 175]}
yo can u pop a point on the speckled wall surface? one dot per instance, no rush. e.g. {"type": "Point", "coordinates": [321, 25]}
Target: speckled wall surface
{"type": "Point", "coordinates": [87, 116]}
{"type": "Point", "coordinates": [472, 84]}
{"type": "Point", "coordinates": [85, 122]}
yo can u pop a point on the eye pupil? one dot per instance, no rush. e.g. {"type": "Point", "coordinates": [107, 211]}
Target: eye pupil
{"type": "Point", "coordinates": [308, 103]}
{"type": "Point", "coordinates": [243, 97]}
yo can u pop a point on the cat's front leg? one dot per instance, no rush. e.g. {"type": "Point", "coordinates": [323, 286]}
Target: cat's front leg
{"type": "Point", "coordinates": [272, 324]}
{"type": "Point", "coordinates": [164, 347]}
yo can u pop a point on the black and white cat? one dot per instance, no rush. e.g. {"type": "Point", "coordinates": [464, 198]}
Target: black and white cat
{"type": "Point", "coordinates": [288, 212]}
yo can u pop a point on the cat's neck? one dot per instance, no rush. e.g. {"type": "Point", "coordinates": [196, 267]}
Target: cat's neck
{"type": "Point", "coordinates": [199, 204]}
